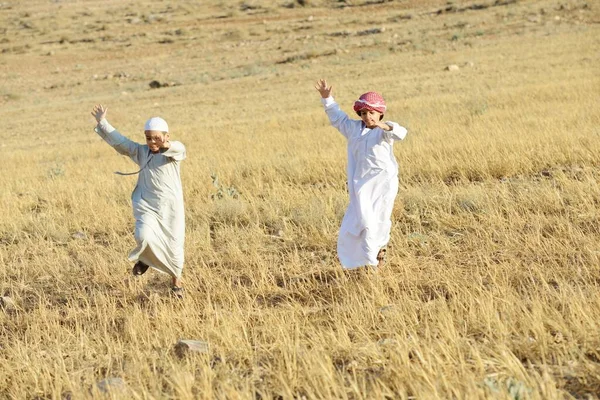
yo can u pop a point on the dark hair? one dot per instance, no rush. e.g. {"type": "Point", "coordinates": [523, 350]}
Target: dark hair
{"type": "Point", "coordinates": [380, 117]}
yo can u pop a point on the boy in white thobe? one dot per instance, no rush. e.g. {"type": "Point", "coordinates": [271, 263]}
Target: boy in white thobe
{"type": "Point", "coordinates": [372, 177]}
{"type": "Point", "coordinates": [157, 199]}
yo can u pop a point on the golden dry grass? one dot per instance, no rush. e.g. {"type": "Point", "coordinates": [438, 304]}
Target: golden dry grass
{"type": "Point", "coordinates": [492, 285]}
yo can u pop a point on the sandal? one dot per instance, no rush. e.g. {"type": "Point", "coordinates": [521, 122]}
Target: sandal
{"type": "Point", "coordinates": [381, 257]}
{"type": "Point", "coordinates": [177, 292]}
{"type": "Point", "coordinates": [139, 268]}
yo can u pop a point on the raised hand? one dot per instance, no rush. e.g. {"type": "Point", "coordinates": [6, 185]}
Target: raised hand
{"type": "Point", "coordinates": [99, 112]}
{"type": "Point", "coordinates": [322, 88]}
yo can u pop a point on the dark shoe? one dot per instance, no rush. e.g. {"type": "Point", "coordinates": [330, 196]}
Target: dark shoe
{"type": "Point", "coordinates": [177, 292]}
{"type": "Point", "coordinates": [139, 268]}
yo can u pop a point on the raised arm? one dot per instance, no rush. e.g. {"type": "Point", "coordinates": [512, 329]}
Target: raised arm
{"type": "Point", "coordinates": [337, 117]}
{"type": "Point", "coordinates": [111, 136]}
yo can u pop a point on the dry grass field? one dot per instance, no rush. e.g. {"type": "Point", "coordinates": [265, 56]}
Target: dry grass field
{"type": "Point", "coordinates": [492, 285]}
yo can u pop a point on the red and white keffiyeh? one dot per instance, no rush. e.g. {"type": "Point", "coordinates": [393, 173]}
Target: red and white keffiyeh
{"type": "Point", "coordinates": [370, 101]}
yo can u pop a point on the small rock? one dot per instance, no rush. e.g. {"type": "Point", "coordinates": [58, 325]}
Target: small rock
{"type": "Point", "coordinates": [352, 365]}
{"type": "Point", "coordinates": [452, 67]}
{"type": "Point", "coordinates": [384, 342]}
{"type": "Point", "coordinates": [111, 385]}
{"type": "Point", "coordinates": [157, 84]}
{"type": "Point", "coordinates": [184, 347]}
{"type": "Point", "coordinates": [310, 18]}
{"type": "Point", "coordinates": [6, 303]}
{"type": "Point", "coordinates": [387, 309]}
{"type": "Point", "coordinates": [371, 31]}
{"type": "Point", "coordinates": [79, 235]}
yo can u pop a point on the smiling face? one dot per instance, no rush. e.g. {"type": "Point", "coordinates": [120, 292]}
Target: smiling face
{"type": "Point", "coordinates": [155, 140]}
{"type": "Point", "coordinates": [370, 117]}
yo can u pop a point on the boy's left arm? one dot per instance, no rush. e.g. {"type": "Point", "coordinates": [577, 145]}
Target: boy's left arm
{"type": "Point", "coordinates": [392, 130]}
{"type": "Point", "coordinates": [174, 150]}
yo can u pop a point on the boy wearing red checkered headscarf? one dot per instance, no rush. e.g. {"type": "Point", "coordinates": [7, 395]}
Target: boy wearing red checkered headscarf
{"type": "Point", "coordinates": [372, 177]}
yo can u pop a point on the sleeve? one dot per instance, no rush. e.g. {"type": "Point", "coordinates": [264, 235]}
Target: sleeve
{"type": "Point", "coordinates": [119, 142]}
{"type": "Point", "coordinates": [176, 151]}
{"type": "Point", "coordinates": [337, 117]}
{"type": "Point", "coordinates": [397, 133]}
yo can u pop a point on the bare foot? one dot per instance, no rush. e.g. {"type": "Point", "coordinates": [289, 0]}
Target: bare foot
{"type": "Point", "coordinates": [177, 288]}
{"type": "Point", "coordinates": [381, 257]}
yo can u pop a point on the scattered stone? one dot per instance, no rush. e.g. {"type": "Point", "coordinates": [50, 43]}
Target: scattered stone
{"type": "Point", "coordinates": [111, 385]}
{"type": "Point", "coordinates": [468, 205]}
{"type": "Point", "coordinates": [452, 68]}
{"type": "Point", "coordinates": [134, 20]}
{"type": "Point", "coordinates": [341, 33]}
{"type": "Point", "coordinates": [7, 304]}
{"type": "Point", "coordinates": [184, 347]}
{"type": "Point", "coordinates": [310, 18]}
{"type": "Point", "coordinates": [79, 236]}
{"type": "Point", "coordinates": [371, 31]}
{"type": "Point", "coordinates": [158, 85]}
{"type": "Point", "coordinates": [513, 387]}
{"type": "Point", "coordinates": [387, 309]}
{"type": "Point", "coordinates": [387, 342]}
{"type": "Point", "coordinates": [417, 237]}
{"type": "Point", "coordinates": [248, 7]}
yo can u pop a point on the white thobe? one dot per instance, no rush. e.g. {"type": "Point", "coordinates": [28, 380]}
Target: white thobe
{"type": "Point", "coordinates": [157, 201]}
{"type": "Point", "coordinates": [372, 185]}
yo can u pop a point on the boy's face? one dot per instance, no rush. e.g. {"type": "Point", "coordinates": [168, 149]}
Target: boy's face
{"type": "Point", "coordinates": [155, 140]}
{"type": "Point", "coordinates": [370, 117]}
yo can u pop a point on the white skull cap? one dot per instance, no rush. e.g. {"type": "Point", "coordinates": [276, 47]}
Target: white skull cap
{"type": "Point", "coordinates": [156, 124]}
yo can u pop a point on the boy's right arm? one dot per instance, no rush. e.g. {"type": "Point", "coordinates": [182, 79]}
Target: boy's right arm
{"type": "Point", "coordinates": [119, 142]}
{"type": "Point", "coordinates": [337, 117]}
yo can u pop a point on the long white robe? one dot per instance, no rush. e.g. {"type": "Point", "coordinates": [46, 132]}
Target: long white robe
{"type": "Point", "coordinates": [372, 185]}
{"type": "Point", "coordinates": [157, 201]}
